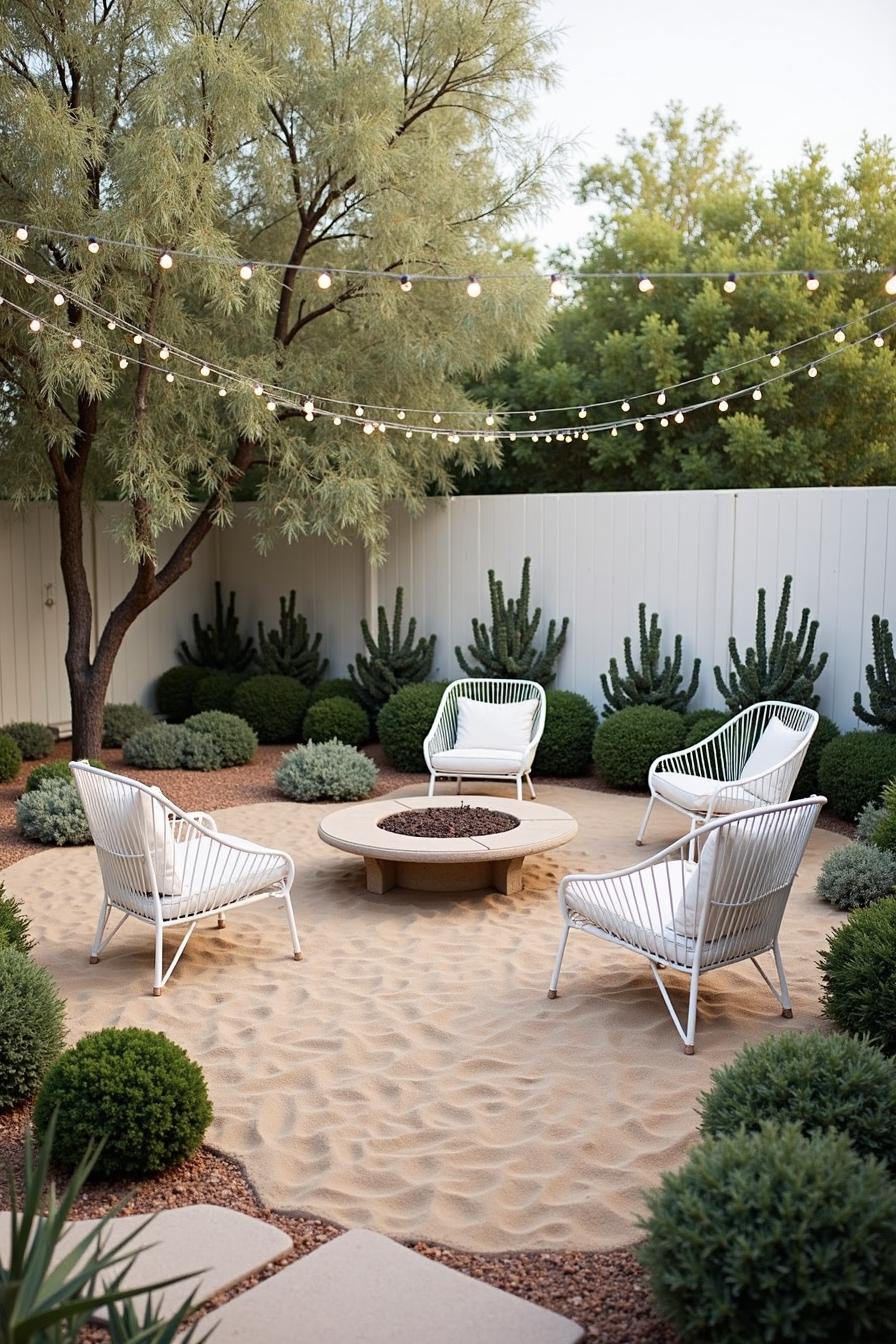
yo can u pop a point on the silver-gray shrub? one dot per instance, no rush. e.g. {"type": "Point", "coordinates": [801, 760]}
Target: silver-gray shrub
{"type": "Point", "coordinates": [157, 748]}
{"type": "Point", "coordinates": [325, 770]}
{"type": "Point", "coordinates": [866, 821]}
{"type": "Point", "coordinates": [53, 814]}
{"type": "Point", "coordinates": [857, 875]}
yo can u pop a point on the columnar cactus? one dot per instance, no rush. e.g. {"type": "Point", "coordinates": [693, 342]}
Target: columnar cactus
{"type": "Point", "coordinates": [219, 646]}
{"type": "Point", "coordinates": [652, 683]}
{"type": "Point", "coordinates": [391, 662]}
{"type": "Point", "coordinates": [881, 678]}
{"type": "Point", "coordinates": [783, 672]}
{"type": "Point", "coordinates": [289, 652]}
{"type": "Point", "coordinates": [508, 648]}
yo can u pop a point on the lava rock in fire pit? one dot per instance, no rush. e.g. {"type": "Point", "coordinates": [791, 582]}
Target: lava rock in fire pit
{"type": "Point", "coordinates": [448, 823]}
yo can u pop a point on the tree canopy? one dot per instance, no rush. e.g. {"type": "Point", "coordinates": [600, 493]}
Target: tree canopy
{"type": "Point", "coordinates": [688, 199]}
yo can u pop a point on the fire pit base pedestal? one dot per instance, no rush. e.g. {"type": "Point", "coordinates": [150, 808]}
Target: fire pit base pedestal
{"type": "Point", "coordinates": [504, 875]}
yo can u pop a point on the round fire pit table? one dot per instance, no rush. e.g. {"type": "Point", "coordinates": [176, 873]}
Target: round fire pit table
{"type": "Point", "coordinates": [423, 863]}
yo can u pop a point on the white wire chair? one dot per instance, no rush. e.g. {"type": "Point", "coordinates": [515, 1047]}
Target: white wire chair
{"type": "Point", "coordinates": [447, 761]}
{"type": "Point", "coordinates": [721, 774]}
{"type": "Point", "coordinates": [170, 868]}
{"type": "Point", "coordinates": [697, 917]}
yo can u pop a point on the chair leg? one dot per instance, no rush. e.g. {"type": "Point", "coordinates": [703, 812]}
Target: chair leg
{"type": "Point", "coordinates": [786, 1005]}
{"type": "Point", "coordinates": [297, 953]}
{"type": "Point", "coordinates": [640, 837]}
{"type": "Point", "coordinates": [100, 930]}
{"type": "Point", "coordinates": [459, 782]}
{"type": "Point", "coordinates": [531, 786]}
{"type": "Point", "coordinates": [519, 788]}
{"type": "Point", "coordinates": [692, 844]}
{"type": "Point", "coordinates": [555, 978]}
{"type": "Point", "coordinates": [432, 783]}
{"type": "Point", "coordinates": [222, 921]}
{"type": "Point", "coordinates": [157, 974]}
{"type": "Point", "coordinates": [691, 1032]}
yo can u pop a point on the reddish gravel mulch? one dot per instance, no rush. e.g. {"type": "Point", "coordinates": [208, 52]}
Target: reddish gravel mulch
{"type": "Point", "coordinates": [605, 1291]}
{"type": "Point", "coordinates": [448, 823]}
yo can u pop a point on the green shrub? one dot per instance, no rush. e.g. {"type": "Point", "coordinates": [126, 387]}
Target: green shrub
{"type": "Point", "coordinates": [157, 748]}
{"type": "Point", "coordinates": [14, 925]}
{"type": "Point", "coordinates": [122, 721]}
{"type": "Point", "coordinates": [629, 741]}
{"type": "Point", "coordinates": [232, 735]}
{"type": "Point", "coordinates": [337, 717]}
{"type": "Point", "coordinates": [866, 822]}
{"type": "Point", "coordinates": [854, 769]}
{"type": "Point", "coordinates": [404, 721]}
{"type": "Point", "coordinates": [32, 1018]}
{"type": "Point", "coordinates": [817, 1081]}
{"type": "Point", "coordinates": [216, 691]}
{"type": "Point", "coordinates": [701, 724]}
{"type": "Point", "coordinates": [135, 1089]}
{"type": "Point", "coordinates": [33, 740]}
{"type": "Point", "coordinates": [325, 770]}
{"type": "Point", "coordinates": [341, 686]}
{"type": "Point", "coordinates": [774, 1236]}
{"type": "Point", "coordinates": [565, 746]}
{"type": "Point", "coordinates": [53, 814]}
{"type": "Point", "coordinates": [884, 833]}
{"type": "Point", "coordinates": [54, 770]}
{"type": "Point", "coordinates": [201, 751]}
{"type": "Point", "coordinates": [174, 691]}
{"type": "Point", "coordinates": [10, 758]}
{"type": "Point", "coordinates": [807, 780]}
{"type": "Point", "coordinates": [858, 974]}
{"type": "Point", "coordinates": [856, 875]}
{"type": "Point", "coordinates": [275, 707]}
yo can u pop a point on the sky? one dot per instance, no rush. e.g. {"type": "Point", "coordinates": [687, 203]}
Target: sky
{"type": "Point", "coordinates": [784, 70]}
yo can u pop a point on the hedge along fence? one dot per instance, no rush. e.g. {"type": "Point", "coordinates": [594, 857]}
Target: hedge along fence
{"type": "Point", "coordinates": [695, 557]}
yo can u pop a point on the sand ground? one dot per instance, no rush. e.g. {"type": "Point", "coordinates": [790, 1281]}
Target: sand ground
{"type": "Point", "coordinates": [410, 1074]}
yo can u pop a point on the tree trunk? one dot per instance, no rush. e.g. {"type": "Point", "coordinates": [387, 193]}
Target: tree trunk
{"type": "Point", "coordinates": [88, 695]}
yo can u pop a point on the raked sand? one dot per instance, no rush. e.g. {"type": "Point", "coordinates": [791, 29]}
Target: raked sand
{"type": "Point", "coordinates": [410, 1074]}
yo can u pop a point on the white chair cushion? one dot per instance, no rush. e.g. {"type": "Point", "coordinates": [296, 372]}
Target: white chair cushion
{"type": "Point", "coordinates": [747, 848]}
{"type": "Point", "coordinates": [695, 793]}
{"type": "Point", "coordinates": [158, 839]}
{"type": "Point", "coordinates": [505, 727]}
{"type": "Point", "coordinates": [477, 761]}
{"type": "Point", "coordinates": [774, 746]}
{"type": "Point", "coordinates": [210, 875]}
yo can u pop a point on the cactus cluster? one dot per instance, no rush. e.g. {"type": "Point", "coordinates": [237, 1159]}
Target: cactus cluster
{"type": "Point", "coordinates": [658, 680]}
{"type": "Point", "coordinates": [289, 651]}
{"type": "Point", "coordinates": [219, 645]}
{"type": "Point", "coordinates": [507, 649]}
{"type": "Point", "coordinates": [391, 661]}
{"type": "Point", "coordinates": [881, 678]}
{"type": "Point", "coordinates": [784, 671]}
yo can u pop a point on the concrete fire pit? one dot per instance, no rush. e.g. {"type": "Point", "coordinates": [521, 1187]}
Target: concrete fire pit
{"type": "Point", "coordinates": [420, 863]}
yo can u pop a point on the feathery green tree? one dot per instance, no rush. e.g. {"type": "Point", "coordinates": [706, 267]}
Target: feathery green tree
{"type": "Point", "coordinates": [294, 132]}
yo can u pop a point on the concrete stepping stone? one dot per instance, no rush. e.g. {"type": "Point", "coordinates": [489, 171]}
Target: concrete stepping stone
{"type": "Point", "coordinates": [217, 1247]}
{"type": "Point", "coordinates": [363, 1288]}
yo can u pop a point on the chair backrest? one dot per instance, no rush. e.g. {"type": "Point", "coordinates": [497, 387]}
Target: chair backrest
{"type": "Point", "coordinates": [747, 863]}
{"type": "Point", "coordinates": [129, 823]}
{"type": "Point", "coordinates": [725, 752]}
{"type": "Point", "coordinates": [490, 690]}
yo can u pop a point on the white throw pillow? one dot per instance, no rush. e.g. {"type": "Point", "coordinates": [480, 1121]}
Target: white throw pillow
{"type": "Point", "coordinates": [501, 727]}
{"type": "Point", "coordinates": [775, 744]}
{"type": "Point", "coordinates": [158, 839]}
{"type": "Point", "coordinates": [686, 917]}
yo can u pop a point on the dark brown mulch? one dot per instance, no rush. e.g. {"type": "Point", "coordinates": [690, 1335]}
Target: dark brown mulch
{"type": "Point", "coordinates": [448, 823]}
{"type": "Point", "coordinates": [605, 1291]}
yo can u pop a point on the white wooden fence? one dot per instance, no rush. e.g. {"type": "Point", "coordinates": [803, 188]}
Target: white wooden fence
{"type": "Point", "coordinates": [695, 557]}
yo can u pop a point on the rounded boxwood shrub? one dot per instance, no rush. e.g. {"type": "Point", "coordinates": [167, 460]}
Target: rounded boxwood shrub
{"type": "Point", "coordinates": [857, 875]}
{"type": "Point", "coordinates": [325, 770]}
{"type": "Point", "coordinates": [34, 740]}
{"type": "Point", "coordinates": [701, 723]}
{"type": "Point", "coordinates": [341, 686]}
{"type": "Point", "coordinates": [32, 1026]}
{"type": "Point", "coordinates": [816, 1081]}
{"type": "Point", "coordinates": [231, 734]}
{"type": "Point", "coordinates": [274, 706]}
{"type": "Point", "coordinates": [629, 741]}
{"type": "Point", "coordinates": [773, 1236]}
{"type": "Point", "coordinates": [174, 691]}
{"type": "Point", "coordinates": [157, 748]}
{"type": "Point", "coordinates": [339, 718]}
{"type": "Point", "coordinates": [201, 751]}
{"type": "Point", "coordinates": [807, 780]}
{"type": "Point", "coordinates": [14, 925]}
{"type": "Point", "coordinates": [134, 1088]}
{"type": "Point", "coordinates": [54, 770]}
{"type": "Point", "coordinates": [854, 769]}
{"type": "Point", "coordinates": [216, 689]}
{"type": "Point", "coordinates": [121, 722]}
{"type": "Point", "coordinates": [858, 974]}
{"type": "Point", "coordinates": [53, 814]}
{"type": "Point", "coordinates": [565, 746]}
{"type": "Point", "coordinates": [10, 758]}
{"type": "Point", "coordinates": [404, 721]}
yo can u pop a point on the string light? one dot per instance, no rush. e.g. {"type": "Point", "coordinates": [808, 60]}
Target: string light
{"type": "Point", "coordinates": [839, 335]}
{"type": "Point", "coordinates": [111, 325]}
{"type": "Point", "coordinates": [337, 420]}
{"type": "Point", "coordinates": [474, 289]}
{"type": "Point", "coordinates": [59, 300]}
{"type": "Point", "coordinates": [29, 279]}
{"type": "Point", "coordinates": [730, 284]}
{"type": "Point", "coordinates": [878, 340]}
{"type": "Point", "coordinates": [775, 360]}
{"type": "Point", "coordinates": [137, 338]}
{"type": "Point", "coordinates": [77, 342]}
{"type": "Point", "coordinates": [122, 363]}
{"type": "Point", "coordinates": [308, 407]}
{"type": "Point", "coordinates": [437, 419]}
{"type": "Point", "coordinates": [166, 261]}
{"type": "Point", "coordinates": [558, 287]}
{"type": "Point", "coordinates": [645, 284]}
{"type": "Point", "coordinates": [813, 372]}
{"type": "Point", "coordinates": [205, 370]}
{"type": "Point", "coordinates": [532, 416]}
{"type": "Point", "coordinates": [661, 399]}
{"type": "Point", "coordinates": [258, 390]}
{"type": "Point", "coordinates": [92, 245]}
{"type": "Point", "coordinates": [359, 410]}
{"type": "Point", "coordinates": [715, 380]}
{"type": "Point", "coordinates": [222, 391]}
{"type": "Point", "coordinates": [271, 405]}
{"type": "Point", "coordinates": [614, 432]}
{"type": "Point", "coordinates": [169, 377]}
{"type": "Point", "coordinates": [625, 407]}
{"type": "Point", "coordinates": [639, 425]}
{"type": "Point", "coordinates": [368, 428]}
{"type": "Point", "coordinates": [723, 406]}
{"type": "Point", "coordinates": [679, 418]}
{"type": "Point", "coordinates": [35, 324]}
{"type": "Point", "coordinates": [757, 393]}
{"type": "Point", "coordinates": [890, 284]}
{"type": "Point", "coordinates": [22, 233]}
{"type": "Point", "coordinates": [812, 281]}
{"type": "Point", "coordinates": [164, 353]}
{"type": "Point", "coordinates": [583, 414]}
{"type": "Point", "coordinates": [664, 422]}
{"type": "Point", "coordinates": [247, 270]}
{"type": "Point", "coordinates": [489, 419]}
{"type": "Point", "coordinates": [325, 280]}
{"type": "Point", "coordinates": [401, 415]}
{"type": "Point", "coordinates": [405, 285]}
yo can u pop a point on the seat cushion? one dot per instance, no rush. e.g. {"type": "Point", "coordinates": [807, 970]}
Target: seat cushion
{"type": "Point", "coordinates": [695, 792]}
{"type": "Point", "coordinates": [210, 875]}
{"type": "Point", "coordinates": [503, 727]}
{"type": "Point", "coordinates": [774, 746]}
{"type": "Point", "coordinates": [477, 761]}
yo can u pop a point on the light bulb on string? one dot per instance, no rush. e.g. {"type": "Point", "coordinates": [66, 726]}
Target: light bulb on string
{"type": "Point", "coordinates": [489, 419]}
{"type": "Point", "coordinates": [583, 414]}
{"type": "Point", "coordinates": [661, 399]}
{"type": "Point", "coordinates": [93, 246]}
{"type": "Point", "coordinates": [122, 363]}
{"type": "Point", "coordinates": [585, 435]}
{"type": "Point", "coordinates": [614, 432]}
{"type": "Point", "coordinates": [164, 353]}
{"type": "Point", "coordinates": [645, 284]}
{"type": "Point", "coordinates": [337, 420]}
{"type": "Point", "coordinates": [878, 340]}
{"type": "Point", "coordinates": [222, 391]}
{"type": "Point", "coordinates": [437, 419]}
{"type": "Point", "coordinates": [169, 377]}
{"type": "Point", "coordinates": [812, 372]}
{"type": "Point", "coordinates": [258, 390]}
{"type": "Point", "coordinates": [567, 438]}
{"type": "Point", "coordinates": [137, 338]}
{"type": "Point", "coordinates": [59, 300]}
{"type": "Point", "coordinates": [558, 287]}
{"type": "Point", "coordinates": [757, 393]}
{"type": "Point", "coordinates": [812, 281]}
{"type": "Point", "coordinates": [308, 406]}
{"type": "Point", "coordinates": [205, 370]}
{"type": "Point", "coordinates": [359, 410]}
{"type": "Point", "coordinates": [715, 380]}
{"type": "Point", "coordinates": [409, 433]}
{"type": "Point", "coordinates": [775, 360]}
{"type": "Point", "coordinates": [639, 426]}
{"type": "Point", "coordinates": [166, 261]}
{"type": "Point", "coordinates": [22, 233]}
{"type": "Point", "coordinates": [271, 405]}
{"type": "Point", "coordinates": [35, 324]}
{"type": "Point", "coordinates": [723, 406]}
{"type": "Point", "coordinates": [401, 415]}
{"type": "Point", "coordinates": [77, 342]}
{"type": "Point", "coordinates": [549, 438]}
{"type": "Point", "coordinates": [474, 288]}
{"type": "Point", "coordinates": [29, 279]}
{"type": "Point", "coordinates": [111, 325]}
{"type": "Point", "coordinates": [890, 283]}
{"type": "Point", "coordinates": [625, 407]}
{"type": "Point", "coordinates": [679, 418]}
{"type": "Point", "coordinates": [433, 435]}
{"type": "Point", "coordinates": [324, 280]}
{"type": "Point", "coordinates": [532, 416]}
{"type": "Point", "coordinates": [247, 270]}
{"type": "Point", "coordinates": [405, 285]}
{"type": "Point", "coordinates": [839, 335]}
{"type": "Point", "coordinates": [368, 428]}
{"type": "Point", "coordinates": [381, 427]}
{"type": "Point", "coordinates": [730, 284]}
{"type": "Point", "coordinates": [512, 436]}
